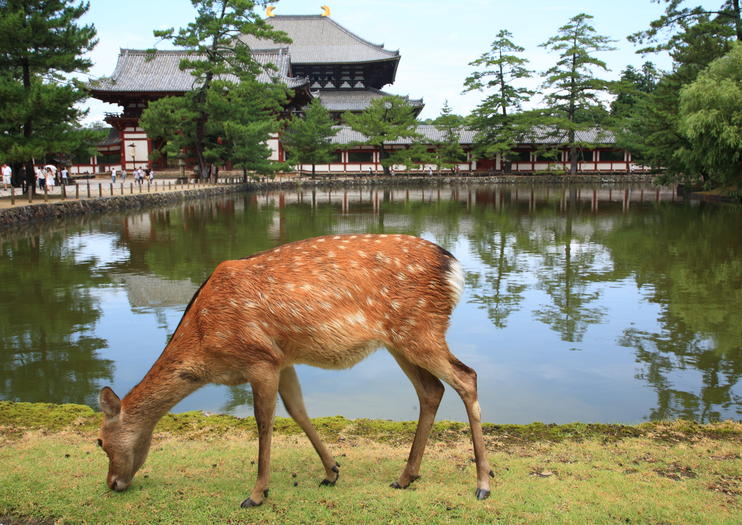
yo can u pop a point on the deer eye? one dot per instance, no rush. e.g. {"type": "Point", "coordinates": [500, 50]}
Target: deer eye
{"type": "Point", "coordinates": [100, 442]}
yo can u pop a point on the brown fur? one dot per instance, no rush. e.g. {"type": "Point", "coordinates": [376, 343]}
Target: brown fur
{"type": "Point", "coordinates": [327, 302]}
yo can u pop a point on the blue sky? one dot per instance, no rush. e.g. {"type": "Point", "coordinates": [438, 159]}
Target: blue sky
{"type": "Point", "coordinates": [437, 39]}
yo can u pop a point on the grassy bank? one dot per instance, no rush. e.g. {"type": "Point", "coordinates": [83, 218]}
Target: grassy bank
{"type": "Point", "coordinates": [200, 468]}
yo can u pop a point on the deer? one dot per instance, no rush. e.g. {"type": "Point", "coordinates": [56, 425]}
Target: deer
{"type": "Point", "coordinates": [328, 302]}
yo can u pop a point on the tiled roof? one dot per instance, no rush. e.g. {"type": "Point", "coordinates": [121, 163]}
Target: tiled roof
{"type": "Point", "coordinates": [136, 71]}
{"type": "Point", "coordinates": [356, 99]}
{"type": "Point", "coordinates": [111, 139]}
{"type": "Point", "coordinates": [430, 134]}
{"type": "Point", "coordinates": [549, 135]}
{"type": "Point", "coordinates": [320, 40]}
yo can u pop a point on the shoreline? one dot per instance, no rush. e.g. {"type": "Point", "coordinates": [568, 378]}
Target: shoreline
{"type": "Point", "coordinates": [17, 418]}
{"type": "Point", "coordinates": [43, 212]}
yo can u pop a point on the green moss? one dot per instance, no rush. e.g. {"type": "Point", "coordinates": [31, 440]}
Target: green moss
{"type": "Point", "coordinates": [46, 416]}
{"type": "Point", "coordinates": [18, 417]}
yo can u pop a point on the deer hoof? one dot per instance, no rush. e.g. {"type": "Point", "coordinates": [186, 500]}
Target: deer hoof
{"type": "Point", "coordinates": [327, 483]}
{"type": "Point", "coordinates": [250, 503]}
{"type": "Point", "coordinates": [482, 494]}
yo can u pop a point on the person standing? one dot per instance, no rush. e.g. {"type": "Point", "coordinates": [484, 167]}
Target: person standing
{"type": "Point", "coordinates": [7, 172]}
{"type": "Point", "coordinates": [50, 182]}
{"type": "Point", "coordinates": [40, 178]}
{"type": "Point", "coordinates": [113, 174]}
{"type": "Point", "coordinates": [151, 175]}
{"type": "Point", "coordinates": [65, 175]}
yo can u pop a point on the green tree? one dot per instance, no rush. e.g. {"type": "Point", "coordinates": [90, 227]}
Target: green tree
{"type": "Point", "coordinates": [677, 16]}
{"type": "Point", "coordinates": [448, 150]}
{"type": "Point", "coordinates": [385, 120]}
{"type": "Point", "coordinates": [711, 120]}
{"type": "Point", "coordinates": [308, 139]}
{"type": "Point", "coordinates": [631, 87]}
{"type": "Point", "coordinates": [572, 88]}
{"type": "Point", "coordinates": [218, 54]}
{"type": "Point", "coordinates": [41, 45]}
{"type": "Point", "coordinates": [651, 131]}
{"type": "Point", "coordinates": [498, 120]}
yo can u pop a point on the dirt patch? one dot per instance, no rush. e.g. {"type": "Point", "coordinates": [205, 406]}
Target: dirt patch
{"type": "Point", "coordinates": [677, 472]}
{"type": "Point", "coordinates": [729, 485]}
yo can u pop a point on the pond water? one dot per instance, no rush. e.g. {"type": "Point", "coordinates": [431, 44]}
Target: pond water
{"type": "Point", "coordinates": [594, 304]}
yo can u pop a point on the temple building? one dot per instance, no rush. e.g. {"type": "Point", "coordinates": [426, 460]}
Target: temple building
{"type": "Point", "coordinates": [324, 60]}
{"type": "Point", "coordinates": [345, 72]}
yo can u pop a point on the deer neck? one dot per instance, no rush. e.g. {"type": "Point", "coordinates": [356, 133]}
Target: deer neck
{"type": "Point", "coordinates": [166, 383]}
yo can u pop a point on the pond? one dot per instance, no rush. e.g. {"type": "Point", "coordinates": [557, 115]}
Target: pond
{"type": "Point", "coordinates": [582, 303]}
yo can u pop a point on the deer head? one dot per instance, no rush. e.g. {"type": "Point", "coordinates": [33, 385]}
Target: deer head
{"type": "Point", "coordinates": [125, 442]}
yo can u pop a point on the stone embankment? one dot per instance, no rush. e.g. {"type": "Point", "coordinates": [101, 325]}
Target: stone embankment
{"type": "Point", "coordinates": [49, 211]}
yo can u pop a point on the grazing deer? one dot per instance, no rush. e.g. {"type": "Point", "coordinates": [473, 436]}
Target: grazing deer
{"type": "Point", "coordinates": [327, 302]}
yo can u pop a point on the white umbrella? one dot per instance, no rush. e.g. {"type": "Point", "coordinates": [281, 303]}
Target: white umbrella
{"type": "Point", "coordinates": [51, 167]}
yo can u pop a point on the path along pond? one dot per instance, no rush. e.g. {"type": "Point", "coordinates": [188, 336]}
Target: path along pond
{"type": "Point", "coordinates": [582, 303]}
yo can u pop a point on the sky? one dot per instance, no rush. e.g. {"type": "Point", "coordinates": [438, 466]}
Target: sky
{"type": "Point", "coordinates": [436, 39]}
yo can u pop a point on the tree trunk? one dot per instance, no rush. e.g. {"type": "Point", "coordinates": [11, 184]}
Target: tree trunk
{"type": "Point", "coordinates": [312, 170]}
{"type": "Point", "coordinates": [28, 131]}
{"type": "Point", "coordinates": [737, 20]}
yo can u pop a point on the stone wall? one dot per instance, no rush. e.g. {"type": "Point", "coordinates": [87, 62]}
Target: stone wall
{"type": "Point", "coordinates": [49, 211]}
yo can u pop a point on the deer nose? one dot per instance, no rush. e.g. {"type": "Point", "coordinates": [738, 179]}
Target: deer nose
{"type": "Point", "coordinates": [118, 485]}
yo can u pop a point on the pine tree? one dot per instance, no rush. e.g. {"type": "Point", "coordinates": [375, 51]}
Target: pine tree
{"type": "Point", "coordinates": [498, 120]}
{"type": "Point", "coordinates": [218, 53]}
{"type": "Point", "coordinates": [386, 119]}
{"type": "Point", "coordinates": [448, 150]}
{"type": "Point", "coordinates": [41, 44]}
{"type": "Point", "coordinates": [711, 120]}
{"type": "Point", "coordinates": [677, 16]}
{"type": "Point", "coordinates": [572, 89]}
{"type": "Point", "coordinates": [652, 130]}
{"type": "Point", "coordinates": [308, 139]}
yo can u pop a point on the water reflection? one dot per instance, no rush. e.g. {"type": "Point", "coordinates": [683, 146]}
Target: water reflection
{"type": "Point", "coordinates": [582, 303]}
{"type": "Point", "coordinates": [48, 311]}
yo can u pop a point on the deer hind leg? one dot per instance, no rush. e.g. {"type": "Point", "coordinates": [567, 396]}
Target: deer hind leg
{"type": "Point", "coordinates": [290, 391]}
{"type": "Point", "coordinates": [444, 365]}
{"type": "Point", "coordinates": [429, 392]}
{"type": "Point", "coordinates": [264, 392]}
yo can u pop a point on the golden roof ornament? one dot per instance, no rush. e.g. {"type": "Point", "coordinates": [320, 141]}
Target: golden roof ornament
{"type": "Point", "coordinates": [325, 10]}
{"type": "Point", "coordinates": [269, 10]}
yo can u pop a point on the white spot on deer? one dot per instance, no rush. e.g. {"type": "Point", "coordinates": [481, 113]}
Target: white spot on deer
{"type": "Point", "coordinates": [353, 236]}
{"type": "Point", "coordinates": [421, 302]}
{"type": "Point", "coordinates": [401, 277]}
{"type": "Point", "coordinates": [356, 318]}
{"type": "Point", "coordinates": [307, 287]}
{"type": "Point", "coordinates": [331, 254]}
{"type": "Point", "coordinates": [370, 301]}
{"type": "Point", "coordinates": [455, 279]}
{"type": "Point", "coordinates": [341, 247]}
{"type": "Point", "coordinates": [321, 239]}
{"type": "Point", "coordinates": [336, 237]}
{"type": "Point", "coordinates": [250, 304]}
{"type": "Point", "coordinates": [377, 241]}
{"type": "Point", "coordinates": [383, 235]}
{"type": "Point", "coordinates": [396, 305]}
{"type": "Point", "coordinates": [361, 253]}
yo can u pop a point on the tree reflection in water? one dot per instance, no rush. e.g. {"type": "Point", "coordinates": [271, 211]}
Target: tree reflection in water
{"type": "Point", "coordinates": [48, 312]}
{"type": "Point", "coordinates": [548, 253]}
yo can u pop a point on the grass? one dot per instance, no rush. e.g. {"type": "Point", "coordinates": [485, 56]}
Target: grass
{"type": "Point", "coordinates": [200, 468]}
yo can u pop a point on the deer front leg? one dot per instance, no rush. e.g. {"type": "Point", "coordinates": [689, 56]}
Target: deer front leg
{"type": "Point", "coordinates": [264, 392]}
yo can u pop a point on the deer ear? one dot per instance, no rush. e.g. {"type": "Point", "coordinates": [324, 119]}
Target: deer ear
{"type": "Point", "coordinates": [109, 402]}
